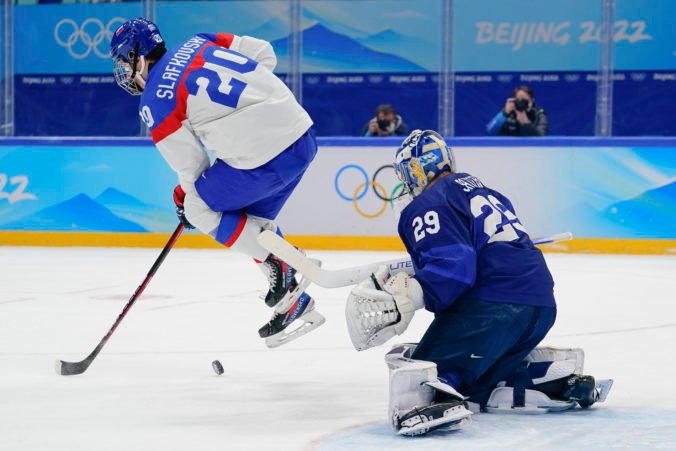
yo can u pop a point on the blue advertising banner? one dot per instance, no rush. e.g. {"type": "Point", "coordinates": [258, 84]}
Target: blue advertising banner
{"type": "Point", "coordinates": [357, 55]}
{"type": "Point", "coordinates": [68, 39]}
{"type": "Point", "coordinates": [373, 35]}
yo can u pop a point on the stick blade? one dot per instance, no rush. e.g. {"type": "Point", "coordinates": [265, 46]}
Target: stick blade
{"type": "Point", "coordinates": [70, 368]}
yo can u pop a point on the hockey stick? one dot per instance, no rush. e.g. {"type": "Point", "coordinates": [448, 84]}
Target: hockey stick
{"type": "Point", "coordinates": [349, 276]}
{"type": "Point", "coordinates": [71, 368]}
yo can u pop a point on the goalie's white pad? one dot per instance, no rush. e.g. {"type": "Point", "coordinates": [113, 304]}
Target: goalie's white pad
{"type": "Point", "coordinates": [502, 401]}
{"type": "Point", "coordinates": [413, 384]}
{"type": "Point", "coordinates": [564, 362]}
{"type": "Point", "coordinates": [374, 315]}
{"type": "Point", "coordinates": [556, 364]}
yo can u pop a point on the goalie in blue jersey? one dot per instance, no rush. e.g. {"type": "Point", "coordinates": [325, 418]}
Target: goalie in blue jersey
{"type": "Point", "coordinates": [491, 292]}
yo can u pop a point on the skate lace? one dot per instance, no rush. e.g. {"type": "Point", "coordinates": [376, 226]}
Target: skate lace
{"type": "Point", "coordinates": [270, 270]}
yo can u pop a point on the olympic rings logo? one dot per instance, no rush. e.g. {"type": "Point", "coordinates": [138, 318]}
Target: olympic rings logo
{"type": "Point", "coordinates": [82, 40]}
{"type": "Point", "coordinates": [361, 189]}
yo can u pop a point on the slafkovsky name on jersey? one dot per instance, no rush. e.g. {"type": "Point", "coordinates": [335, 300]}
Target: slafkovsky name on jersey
{"type": "Point", "coordinates": [469, 183]}
{"type": "Point", "coordinates": [175, 66]}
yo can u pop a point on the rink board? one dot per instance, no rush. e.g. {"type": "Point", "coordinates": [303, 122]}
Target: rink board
{"type": "Point", "coordinates": [614, 195]}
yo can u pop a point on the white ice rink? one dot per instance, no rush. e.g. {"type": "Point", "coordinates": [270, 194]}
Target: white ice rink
{"type": "Point", "coordinates": [153, 388]}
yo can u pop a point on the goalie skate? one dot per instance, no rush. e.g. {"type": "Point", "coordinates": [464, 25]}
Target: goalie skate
{"type": "Point", "coordinates": [294, 316]}
{"type": "Point", "coordinates": [448, 416]}
{"type": "Point", "coordinates": [536, 402]}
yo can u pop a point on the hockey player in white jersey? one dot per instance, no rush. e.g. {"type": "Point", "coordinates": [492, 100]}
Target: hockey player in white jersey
{"type": "Point", "coordinates": [216, 91]}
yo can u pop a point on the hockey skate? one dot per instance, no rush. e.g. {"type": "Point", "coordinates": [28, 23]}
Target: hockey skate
{"type": "Point", "coordinates": [582, 390]}
{"type": "Point", "coordinates": [585, 390]}
{"type": "Point", "coordinates": [294, 316]}
{"type": "Point", "coordinates": [446, 416]}
{"type": "Point", "coordinates": [281, 278]}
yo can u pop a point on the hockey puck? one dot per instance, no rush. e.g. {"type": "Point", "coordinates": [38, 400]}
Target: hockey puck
{"type": "Point", "coordinates": [218, 368]}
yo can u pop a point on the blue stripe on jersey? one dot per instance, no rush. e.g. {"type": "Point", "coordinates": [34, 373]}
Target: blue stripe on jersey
{"type": "Point", "coordinates": [161, 92]}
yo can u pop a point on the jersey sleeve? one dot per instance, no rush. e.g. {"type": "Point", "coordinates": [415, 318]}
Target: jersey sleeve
{"type": "Point", "coordinates": [440, 245]}
{"type": "Point", "coordinates": [184, 153]}
{"type": "Point", "coordinates": [257, 49]}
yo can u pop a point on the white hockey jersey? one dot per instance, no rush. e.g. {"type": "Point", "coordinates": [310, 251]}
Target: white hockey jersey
{"type": "Point", "coordinates": [217, 91]}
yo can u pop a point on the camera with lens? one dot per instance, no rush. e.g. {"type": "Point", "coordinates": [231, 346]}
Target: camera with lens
{"type": "Point", "coordinates": [383, 124]}
{"type": "Point", "coordinates": [521, 104]}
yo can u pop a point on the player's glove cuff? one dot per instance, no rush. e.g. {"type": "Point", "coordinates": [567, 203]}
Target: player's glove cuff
{"type": "Point", "coordinates": [180, 213]}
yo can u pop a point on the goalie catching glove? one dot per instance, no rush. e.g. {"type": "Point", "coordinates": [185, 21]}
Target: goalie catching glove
{"type": "Point", "coordinates": [381, 307]}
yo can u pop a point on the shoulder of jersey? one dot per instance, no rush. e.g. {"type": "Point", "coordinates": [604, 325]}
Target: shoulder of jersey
{"type": "Point", "coordinates": [160, 94]}
{"type": "Point", "coordinates": [446, 191]}
{"type": "Point", "coordinates": [153, 109]}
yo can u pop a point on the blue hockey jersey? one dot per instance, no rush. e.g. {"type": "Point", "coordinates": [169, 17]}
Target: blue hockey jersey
{"type": "Point", "coordinates": [465, 240]}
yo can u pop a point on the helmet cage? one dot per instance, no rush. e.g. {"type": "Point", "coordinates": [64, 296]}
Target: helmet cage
{"type": "Point", "coordinates": [124, 70]}
{"type": "Point", "coordinates": [132, 42]}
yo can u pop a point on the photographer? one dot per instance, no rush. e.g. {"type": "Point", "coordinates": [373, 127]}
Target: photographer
{"type": "Point", "coordinates": [386, 123]}
{"type": "Point", "coordinates": [520, 116]}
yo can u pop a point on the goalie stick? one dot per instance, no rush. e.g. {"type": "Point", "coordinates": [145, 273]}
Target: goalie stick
{"type": "Point", "coordinates": [72, 368]}
{"type": "Point", "coordinates": [328, 278]}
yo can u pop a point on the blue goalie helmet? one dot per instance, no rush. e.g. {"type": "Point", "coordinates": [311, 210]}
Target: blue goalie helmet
{"type": "Point", "coordinates": [132, 42]}
{"type": "Point", "coordinates": [422, 156]}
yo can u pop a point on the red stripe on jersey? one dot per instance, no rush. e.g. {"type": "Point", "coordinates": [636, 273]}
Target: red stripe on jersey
{"type": "Point", "coordinates": [224, 39]}
{"type": "Point", "coordinates": [237, 232]}
{"type": "Point", "coordinates": [173, 121]}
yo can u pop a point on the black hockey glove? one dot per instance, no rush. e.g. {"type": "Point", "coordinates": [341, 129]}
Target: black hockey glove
{"type": "Point", "coordinates": [179, 197]}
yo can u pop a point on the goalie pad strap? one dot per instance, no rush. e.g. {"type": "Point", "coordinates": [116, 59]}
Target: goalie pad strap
{"type": "Point", "coordinates": [503, 400]}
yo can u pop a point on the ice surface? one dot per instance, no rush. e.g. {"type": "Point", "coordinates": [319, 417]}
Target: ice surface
{"type": "Point", "coordinates": [153, 388]}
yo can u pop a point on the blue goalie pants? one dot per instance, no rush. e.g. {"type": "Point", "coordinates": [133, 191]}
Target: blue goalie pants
{"type": "Point", "coordinates": [261, 191]}
{"type": "Point", "coordinates": [477, 344]}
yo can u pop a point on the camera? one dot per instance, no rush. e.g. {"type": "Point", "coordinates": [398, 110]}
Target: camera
{"type": "Point", "coordinates": [521, 104]}
{"type": "Point", "coordinates": [383, 124]}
